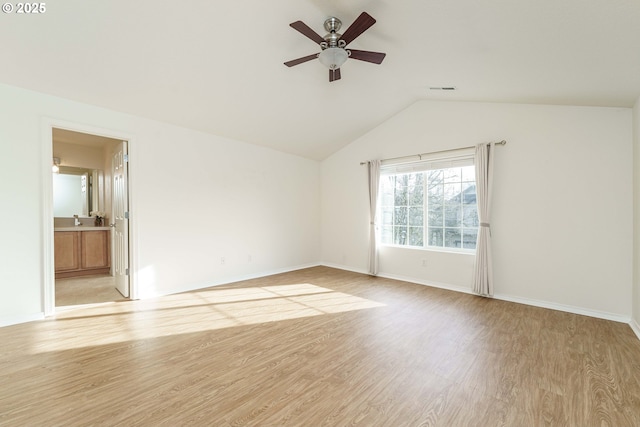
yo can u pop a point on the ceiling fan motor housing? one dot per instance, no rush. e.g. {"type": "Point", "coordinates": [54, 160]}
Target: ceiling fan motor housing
{"type": "Point", "coordinates": [332, 38]}
{"type": "Point", "coordinates": [332, 24]}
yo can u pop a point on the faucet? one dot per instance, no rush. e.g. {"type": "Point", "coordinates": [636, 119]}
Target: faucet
{"type": "Point", "coordinates": [76, 221]}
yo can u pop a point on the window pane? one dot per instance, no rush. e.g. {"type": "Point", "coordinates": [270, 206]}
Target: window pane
{"type": "Point", "coordinates": [469, 237]}
{"type": "Point", "coordinates": [400, 217]}
{"type": "Point", "coordinates": [468, 193]}
{"type": "Point", "coordinates": [435, 190]}
{"type": "Point", "coordinates": [387, 198]}
{"type": "Point", "coordinates": [444, 200]}
{"type": "Point", "coordinates": [415, 179]}
{"type": "Point", "coordinates": [453, 216]}
{"type": "Point", "coordinates": [400, 235]}
{"type": "Point", "coordinates": [452, 192]}
{"type": "Point", "coordinates": [416, 196]}
{"type": "Point", "coordinates": [416, 216]}
{"type": "Point", "coordinates": [401, 196]}
{"type": "Point", "coordinates": [469, 174]}
{"type": "Point", "coordinates": [435, 215]}
{"type": "Point", "coordinates": [416, 236]}
{"type": "Point", "coordinates": [386, 235]}
{"type": "Point", "coordinates": [470, 215]}
{"type": "Point", "coordinates": [435, 236]}
{"type": "Point", "coordinates": [452, 238]}
{"type": "Point", "coordinates": [386, 216]}
{"type": "Point", "coordinates": [452, 175]}
{"type": "Point", "coordinates": [435, 177]}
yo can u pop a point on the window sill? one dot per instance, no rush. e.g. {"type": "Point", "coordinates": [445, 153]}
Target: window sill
{"type": "Point", "coordinates": [431, 249]}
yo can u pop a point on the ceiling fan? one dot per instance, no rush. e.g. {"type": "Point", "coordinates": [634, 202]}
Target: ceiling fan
{"type": "Point", "coordinates": [334, 53]}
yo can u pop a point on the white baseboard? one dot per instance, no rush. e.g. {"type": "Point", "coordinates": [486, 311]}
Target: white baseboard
{"type": "Point", "coordinates": [635, 327]}
{"type": "Point", "coordinates": [440, 285]}
{"type": "Point", "coordinates": [527, 301]}
{"type": "Point", "coordinates": [227, 281]}
{"type": "Point", "coordinates": [566, 308]}
{"type": "Point", "coordinates": [344, 267]}
{"type": "Point", "coordinates": [14, 320]}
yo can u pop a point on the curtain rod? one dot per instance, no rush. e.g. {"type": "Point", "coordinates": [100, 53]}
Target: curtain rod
{"type": "Point", "coordinates": [503, 142]}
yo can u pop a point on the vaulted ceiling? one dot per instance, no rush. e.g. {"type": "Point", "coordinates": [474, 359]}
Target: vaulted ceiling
{"type": "Point", "coordinates": [218, 66]}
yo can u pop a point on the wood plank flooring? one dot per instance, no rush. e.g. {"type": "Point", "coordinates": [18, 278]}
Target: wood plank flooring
{"type": "Point", "coordinates": [319, 347]}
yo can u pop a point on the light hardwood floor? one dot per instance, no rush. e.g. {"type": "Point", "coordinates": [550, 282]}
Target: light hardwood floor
{"type": "Point", "coordinates": [319, 347]}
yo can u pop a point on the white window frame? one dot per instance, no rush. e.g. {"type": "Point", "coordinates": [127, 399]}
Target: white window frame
{"type": "Point", "coordinates": [453, 159]}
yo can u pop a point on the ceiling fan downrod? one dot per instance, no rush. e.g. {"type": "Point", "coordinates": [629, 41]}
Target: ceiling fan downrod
{"type": "Point", "coordinates": [332, 38]}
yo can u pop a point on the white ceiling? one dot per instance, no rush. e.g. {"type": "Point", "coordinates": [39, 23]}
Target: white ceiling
{"type": "Point", "coordinates": [217, 66]}
{"type": "Point", "coordinates": [79, 138]}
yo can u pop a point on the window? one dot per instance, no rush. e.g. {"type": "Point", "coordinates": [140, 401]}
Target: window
{"type": "Point", "coordinates": [429, 204]}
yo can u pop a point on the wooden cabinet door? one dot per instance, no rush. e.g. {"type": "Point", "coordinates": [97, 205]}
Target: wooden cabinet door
{"type": "Point", "coordinates": [95, 249]}
{"type": "Point", "coordinates": [66, 250]}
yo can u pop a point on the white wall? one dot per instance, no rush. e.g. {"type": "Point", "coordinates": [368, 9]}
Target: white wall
{"type": "Point", "coordinates": [636, 218]}
{"type": "Point", "coordinates": [195, 198]}
{"type": "Point", "coordinates": [562, 212]}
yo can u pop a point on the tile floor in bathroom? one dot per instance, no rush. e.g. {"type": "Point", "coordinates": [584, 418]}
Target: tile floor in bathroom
{"type": "Point", "coordinates": [75, 291]}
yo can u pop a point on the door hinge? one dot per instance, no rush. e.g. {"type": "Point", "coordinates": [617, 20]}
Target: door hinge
{"type": "Point", "coordinates": [126, 271]}
{"type": "Point", "coordinates": [126, 215]}
{"type": "Point", "coordinates": [126, 158]}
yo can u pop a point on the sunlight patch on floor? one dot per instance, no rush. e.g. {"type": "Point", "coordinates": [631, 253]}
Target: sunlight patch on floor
{"type": "Point", "coordinates": [191, 312]}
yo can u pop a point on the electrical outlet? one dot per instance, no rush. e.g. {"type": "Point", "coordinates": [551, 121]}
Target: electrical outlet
{"type": "Point", "coordinates": [249, 258]}
{"type": "Point", "coordinates": [424, 262]}
{"type": "Point", "coordinates": [222, 260]}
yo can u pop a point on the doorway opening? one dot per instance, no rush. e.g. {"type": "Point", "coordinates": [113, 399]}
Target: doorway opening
{"type": "Point", "coordinates": [96, 289]}
{"type": "Point", "coordinates": [89, 212]}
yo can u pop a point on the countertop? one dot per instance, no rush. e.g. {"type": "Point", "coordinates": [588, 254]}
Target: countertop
{"type": "Point", "coordinates": [81, 228]}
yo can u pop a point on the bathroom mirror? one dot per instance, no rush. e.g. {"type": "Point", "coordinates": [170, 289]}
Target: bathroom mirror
{"type": "Point", "coordinates": [77, 191]}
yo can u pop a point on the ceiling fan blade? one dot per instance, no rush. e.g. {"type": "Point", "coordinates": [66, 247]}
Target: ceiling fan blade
{"type": "Point", "coordinates": [334, 75]}
{"type": "Point", "coordinates": [300, 60]}
{"type": "Point", "coordinates": [365, 55]}
{"type": "Point", "coordinates": [305, 30]}
{"type": "Point", "coordinates": [359, 26]}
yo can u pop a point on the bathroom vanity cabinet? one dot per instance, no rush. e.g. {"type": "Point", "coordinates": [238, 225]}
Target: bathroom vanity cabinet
{"type": "Point", "coordinates": [82, 252]}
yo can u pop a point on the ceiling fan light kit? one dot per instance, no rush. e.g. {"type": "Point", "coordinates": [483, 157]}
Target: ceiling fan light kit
{"type": "Point", "coordinates": [333, 57]}
{"type": "Point", "coordinates": [333, 45]}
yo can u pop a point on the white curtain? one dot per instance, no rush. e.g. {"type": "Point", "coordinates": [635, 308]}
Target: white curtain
{"type": "Point", "coordinates": [483, 272]}
{"type": "Point", "coordinates": [374, 182]}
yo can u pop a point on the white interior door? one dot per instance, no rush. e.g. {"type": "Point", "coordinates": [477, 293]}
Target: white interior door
{"type": "Point", "coordinates": [120, 220]}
